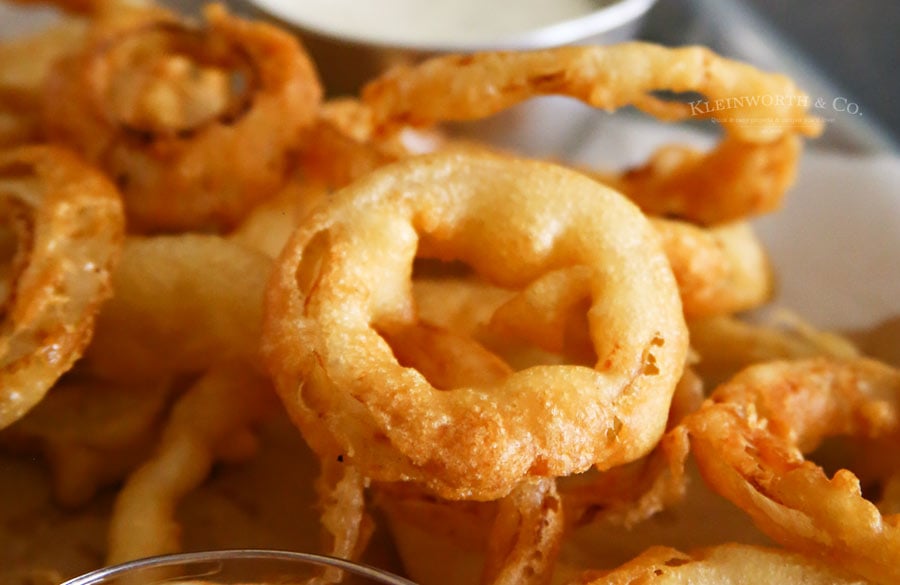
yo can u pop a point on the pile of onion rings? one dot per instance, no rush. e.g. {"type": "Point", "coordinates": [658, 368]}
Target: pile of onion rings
{"type": "Point", "coordinates": [509, 371]}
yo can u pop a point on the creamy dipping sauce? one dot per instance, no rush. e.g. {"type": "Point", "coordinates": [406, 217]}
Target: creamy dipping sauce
{"type": "Point", "coordinates": [428, 22]}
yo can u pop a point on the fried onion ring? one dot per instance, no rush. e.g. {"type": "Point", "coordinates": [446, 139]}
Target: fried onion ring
{"type": "Point", "coordinates": [24, 64]}
{"type": "Point", "coordinates": [526, 536]}
{"type": "Point", "coordinates": [748, 441]}
{"type": "Point", "coordinates": [68, 230]}
{"type": "Point", "coordinates": [171, 112]}
{"type": "Point", "coordinates": [746, 174]}
{"type": "Point", "coordinates": [720, 270]}
{"type": "Point", "coordinates": [346, 270]}
{"type": "Point", "coordinates": [181, 303]}
{"type": "Point", "coordinates": [220, 408]}
{"type": "Point", "coordinates": [725, 344]}
{"type": "Point", "coordinates": [116, 428]}
{"type": "Point", "coordinates": [727, 564]}
{"type": "Point", "coordinates": [528, 525]}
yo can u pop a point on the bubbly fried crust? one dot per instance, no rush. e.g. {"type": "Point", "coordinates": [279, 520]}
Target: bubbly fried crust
{"type": "Point", "coordinates": [762, 114]}
{"type": "Point", "coordinates": [749, 440]}
{"type": "Point", "coordinates": [69, 229]}
{"type": "Point", "coordinates": [170, 111]}
{"type": "Point", "coordinates": [346, 272]}
{"type": "Point", "coordinates": [727, 564]}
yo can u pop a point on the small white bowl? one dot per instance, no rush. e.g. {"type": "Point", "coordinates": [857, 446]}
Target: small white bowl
{"type": "Point", "coordinates": [348, 56]}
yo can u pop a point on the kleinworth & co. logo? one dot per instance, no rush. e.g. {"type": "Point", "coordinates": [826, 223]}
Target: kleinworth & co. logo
{"type": "Point", "coordinates": [820, 107]}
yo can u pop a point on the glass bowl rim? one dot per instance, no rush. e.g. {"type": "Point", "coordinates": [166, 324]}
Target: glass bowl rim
{"type": "Point", "coordinates": [99, 575]}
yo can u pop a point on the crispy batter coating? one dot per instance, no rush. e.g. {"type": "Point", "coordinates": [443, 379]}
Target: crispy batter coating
{"type": "Point", "coordinates": [63, 229]}
{"type": "Point", "coordinates": [727, 564]}
{"type": "Point", "coordinates": [171, 111]}
{"type": "Point", "coordinates": [720, 270]}
{"type": "Point", "coordinates": [346, 272]}
{"type": "Point", "coordinates": [762, 114]}
{"type": "Point", "coordinates": [749, 440]}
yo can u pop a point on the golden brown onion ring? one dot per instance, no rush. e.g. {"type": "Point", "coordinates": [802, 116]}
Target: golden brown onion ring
{"type": "Point", "coordinates": [726, 344]}
{"type": "Point", "coordinates": [720, 270]}
{"type": "Point", "coordinates": [181, 304]}
{"type": "Point", "coordinates": [24, 65]}
{"type": "Point", "coordinates": [346, 525]}
{"type": "Point", "coordinates": [736, 179]}
{"type": "Point", "coordinates": [528, 526]}
{"type": "Point", "coordinates": [219, 410]}
{"type": "Point", "coordinates": [727, 564]}
{"type": "Point", "coordinates": [70, 229]}
{"type": "Point", "coordinates": [762, 114]}
{"type": "Point", "coordinates": [179, 168]}
{"type": "Point", "coordinates": [346, 270]}
{"type": "Point", "coordinates": [114, 431]}
{"type": "Point", "coordinates": [748, 441]}
{"type": "Point", "coordinates": [525, 536]}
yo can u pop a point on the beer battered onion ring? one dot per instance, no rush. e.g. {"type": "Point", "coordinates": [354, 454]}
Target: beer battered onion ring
{"type": "Point", "coordinates": [762, 115]}
{"type": "Point", "coordinates": [748, 442]}
{"type": "Point", "coordinates": [720, 270]}
{"type": "Point", "coordinates": [179, 148]}
{"type": "Point", "coordinates": [346, 273]}
{"type": "Point", "coordinates": [725, 564]}
{"type": "Point", "coordinates": [68, 226]}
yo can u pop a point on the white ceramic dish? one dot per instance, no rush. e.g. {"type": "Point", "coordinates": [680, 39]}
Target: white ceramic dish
{"type": "Point", "coordinates": [348, 59]}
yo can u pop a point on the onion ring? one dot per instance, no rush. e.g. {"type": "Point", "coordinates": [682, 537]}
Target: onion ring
{"type": "Point", "coordinates": [748, 439]}
{"type": "Point", "coordinates": [720, 270]}
{"type": "Point", "coordinates": [734, 180]}
{"type": "Point", "coordinates": [725, 344]}
{"type": "Point", "coordinates": [24, 66]}
{"type": "Point", "coordinates": [727, 564]}
{"type": "Point", "coordinates": [70, 226]}
{"type": "Point", "coordinates": [528, 526]}
{"type": "Point", "coordinates": [114, 432]}
{"type": "Point", "coordinates": [226, 402]}
{"type": "Point", "coordinates": [181, 303]}
{"type": "Point", "coordinates": [180, 169]}
{"type": "Point", "coordinates": [328, 292]}
{"type": "Point", "coordinates": [761, 141]}
{"type": "Point", "coordinates": [525, 536]}
{"type": "Point", "coordinates": [347, 526]}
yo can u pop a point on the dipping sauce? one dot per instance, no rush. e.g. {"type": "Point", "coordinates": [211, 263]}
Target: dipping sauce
{"type": "Point", "coordinates": [429, 22]}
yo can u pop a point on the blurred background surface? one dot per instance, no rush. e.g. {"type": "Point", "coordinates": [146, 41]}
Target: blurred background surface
{"type": "Point", "coordinates": [835, 49]}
